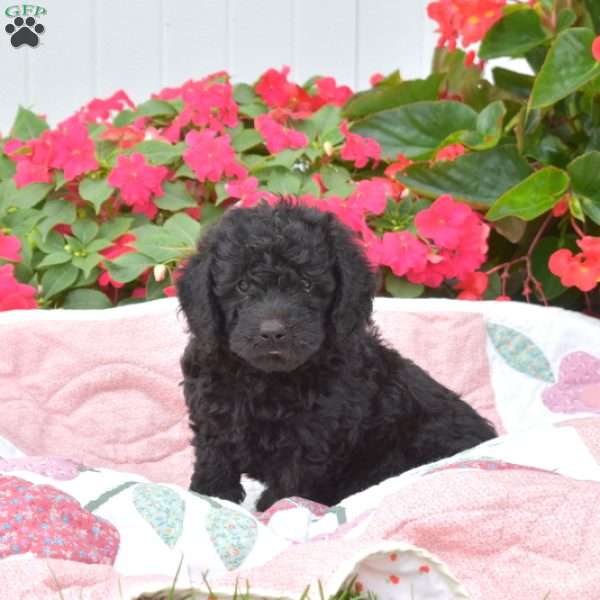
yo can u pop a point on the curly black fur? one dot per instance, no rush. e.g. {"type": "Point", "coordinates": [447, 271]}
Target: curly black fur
{"type": "Point", "coordinates": [285, 377]}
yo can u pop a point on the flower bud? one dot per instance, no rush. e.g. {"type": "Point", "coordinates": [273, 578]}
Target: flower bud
{"type": "Point", "coordinates": [160, 272]}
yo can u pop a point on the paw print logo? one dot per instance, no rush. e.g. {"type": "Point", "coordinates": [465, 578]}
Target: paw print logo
{"type": "Point", "coordinates": [24, 31]}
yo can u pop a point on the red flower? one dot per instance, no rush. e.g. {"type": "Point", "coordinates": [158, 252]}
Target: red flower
{"type": "Point", "coordinates": [596, 49]}
{"type": "Point", "coordinates": [9, 248]}
{"type": "Point", "coordinates": [73, 149]}
{"type": "Point", "coordinates": [170, 291]}
{"type": "Point", "coordinates": [473, 286]}
{"type": "Point", "coordinates": [211, 157]}
{"type": "Point", "coordinates": [248, 193]}
{"type": "Point", "coordinates": [371, 195]}
{"type": "Point", "coordinates": [561, 208]}
{"type": "Point", "coordinates": [277, 137]}
{"type": "Point", "coordinates": [32, 158]}
{"type": "Point", "coordinates": [581, 270]}
{"type": "Point", "coordinates": [450, 152]}
{"type": "Point", "coordinates": [119, 247]}
{"type": "Point", "coordinates": [403, 252]}
{"type": "Point", "coordinates": [331, 93]}
{"type": "Point", "coordinates": [15, 295]}
{"type": "Point", "coordinates": [398, 165]}
{"type": "Point", "coordinates": [137, 182]}
{"type": "Point", "coordinates": [376, 79]}
{"type": "Point", "coordinates": [275, 89]}
{"type": "Point", "coordinates": [469, 19]}
{"type": "Point", "coordinates": [443, 221]}
{"type": "Point", "coordinates": [359, 149]}
{"type": "Point", "coordinates": [99, 109]}
{"type": "Point", "coordinates": [130, 135]}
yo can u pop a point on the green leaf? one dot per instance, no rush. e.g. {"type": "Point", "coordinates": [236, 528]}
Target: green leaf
{"type": "Point", "coordinates": [594, 9]}
{"type": "Point", "coordinates": [22, 222]}
{"type": "Point", "coordinates": [337, 180]}
{"type": "Point", "coordinates": [185, 171]}
{"type": "Point", "coordinates": [25, 197]}
{"type": "Point", "coordinates": [128, 267]}
{"type": "Point", "coordinates": [56, 258]}
{"type": "Point", "coordinates": [85, 230]}
{"type": "Point", "coordinates": [86, 299]}
{"type": "Point", "coordinates": [210, 213]}
{"type": "Point", "coordinates": [27, 125]}
{"type": "Point", "coordinates": [384, 97]}
{"type": "Point", "coordinates": [401, 288]}
{"type": "Point", "coordinates": [58, 278]}
{"type": "Point", "coordinates": [416, 130]}
{"type": "Point", "coordinates": [585, 179]}
{"type": "Point", "coordinates": [111, 230]}
{"type": "Point", "coordinates": [158, 153]}
{"type": "Point", "coordinates": [532, 197]}
{"type": "Point", "coordinates": [88, 262]}
{"type": "Point", "coordinates": [539, 266]}
{"type": "Point", "coordinates": [53, 242]}
{"type": "Point", "coordinates": [503, 168]}
{"type": "Point", "coordinates": [96, 191]}
{"type": "Point", "coordinates": [7, 167]}
{"type": "Point", "coordinates": [244, 94]}
{"type": "Point", "coordinates": [516, 84]}
{"type": "Point", "coordinates": [568, 66]}
{"type": "Point", "coordinates": [520, 352]}
{"type": "Point", "coordinates": [513, 35]}
{"type": "Point", "coordinates": [488, 129]}
{"type": "Point", "coordinates": [566, 18]}
{"type": "Point", "coordinates": [184, 229]}
{"type": "Point", "coordinates": [246, 139]}
{"type": "Point", "coordinates": [175, 197]}
{"type": "Point", "coordinates": [58, 212]}
{"type": "Point", "coordinates": [124, 118]}
{"type": "Point", "coordinates": [253, 110]}
{"type": "Point", "coordinates": [160, 244]}
{"type": "Point", "coordinates": [98, 244]}
{"type": "Point", "coordinates": [155, 108]}
{"type": "Point", "coordinates": [283, 181]}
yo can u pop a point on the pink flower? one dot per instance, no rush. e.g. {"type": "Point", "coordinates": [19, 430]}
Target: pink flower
{"type": "Point", "coordinates": [331, 93]}
{"type": "Point", "coordinates": [211, 157]}
{"type": "Point", "coordinates": [73, 149]}
{"type": "Point", "coordinates": [442, 222]}
{"type": "Point", "coordinates": [473, 286]}
{"type": "Point", "coordinates": [403, 252]}
{"type": "Point", "coordinates": [359, 149]}
{"type": "Point", "coordinates": [9, 248]}
{"type": "Point", "coordinates": [15, 295]}
{"type": "Point", "coordinates": [450, 152]}
{"type": "Point", "coordinates": [99, 109]}
{"type": "Point", "coordinates": [596, 49]}
{"type": "Point", "coordinates": [211, 106]}
{"type": "Point", "coordinates": [119, 247]}
{"type": "Point", "coordinates": [33, 160]}
{"type": "Point", "coordinates": [371, 195]}
{"type": "Point", "coordinates": [376, 79]}
{"type": "Point", "coordinates": [130, 135]}
{"type": "Point", "coordinates": [277, 137]}
{"type": "Point", "coordinates": [275, 89]}
{"type": "Point", "coordinates": [248, 193]}
{"type": "Point", "coordinates": [138, 182]}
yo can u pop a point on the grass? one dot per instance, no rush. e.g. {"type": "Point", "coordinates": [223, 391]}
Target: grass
{"type": "Point", "coordinates": [348, 593]}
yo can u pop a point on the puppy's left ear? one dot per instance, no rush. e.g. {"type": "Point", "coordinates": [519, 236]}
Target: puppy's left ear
{"type": "Point", "coordinates": [355, 285]}
{"type": "Point", "coordinates": [194, 290]}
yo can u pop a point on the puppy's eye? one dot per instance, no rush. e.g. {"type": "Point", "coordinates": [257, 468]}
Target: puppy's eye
{"type": "Point", "coordinates": [306, 284]}
{"type": "Point", "coordinates": [243, 285]}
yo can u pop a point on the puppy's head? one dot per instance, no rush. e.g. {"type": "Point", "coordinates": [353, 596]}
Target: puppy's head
{"type": "Point", "coordinates": [272, 284]}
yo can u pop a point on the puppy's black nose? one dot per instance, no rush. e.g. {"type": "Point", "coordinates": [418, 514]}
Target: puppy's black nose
{"type": "Point", "coordinates": [272, 329]}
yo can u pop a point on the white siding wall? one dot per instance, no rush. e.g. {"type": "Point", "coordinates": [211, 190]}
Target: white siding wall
{"type": "Point", "coordinates": [93, 47]}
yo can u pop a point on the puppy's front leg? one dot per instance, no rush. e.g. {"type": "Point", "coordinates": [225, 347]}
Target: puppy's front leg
{"type": "Point", "coordinates": [215, 474]}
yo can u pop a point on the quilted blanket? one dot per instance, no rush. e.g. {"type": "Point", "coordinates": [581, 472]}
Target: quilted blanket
{"type": "Point", "coordinates": [95, 457]}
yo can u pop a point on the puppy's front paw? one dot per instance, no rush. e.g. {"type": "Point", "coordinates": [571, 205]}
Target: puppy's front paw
{"type": "Point", "coordinates": [234, 493]}
{"type": "Point", "coordinates": [266, 500]}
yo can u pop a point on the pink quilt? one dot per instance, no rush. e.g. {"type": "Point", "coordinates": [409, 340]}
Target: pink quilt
{"type": "Point", "coordinates": [514, 518]}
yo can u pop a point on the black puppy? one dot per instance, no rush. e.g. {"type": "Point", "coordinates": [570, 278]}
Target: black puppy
{"type": "Point", "coordinates": [286, 378]}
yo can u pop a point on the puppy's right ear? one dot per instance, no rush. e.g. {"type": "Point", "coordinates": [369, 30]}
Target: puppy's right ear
{"type": "Point", "coordinates": [194, 289]}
